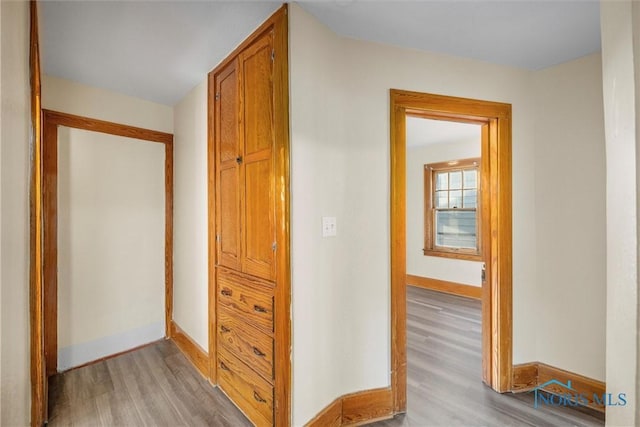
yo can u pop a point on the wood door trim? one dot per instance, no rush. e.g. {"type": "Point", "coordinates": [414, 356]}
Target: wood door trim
{"type": "Point", "coordinates": [192, 351]}
{"type": "Point", "coordinates": [50, 243]}
{"type": "Point", "coordinates": [497, 291]}
{"type": "Point", "coordinates": [36, 315]}
{"type": "Point", "coordinates": [278, 22]}
{"type": "Point", "coordinates": [282, 303]}
{"type": "Point", "coordinates": [103, 126]}
{"type": "Point", "coordinates": [212, 256]}
{"type": "Point", "coordinates": [50, 122]}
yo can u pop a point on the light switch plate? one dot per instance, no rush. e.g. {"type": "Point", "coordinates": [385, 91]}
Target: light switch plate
{"type": "Point", "coordinates": [329, 227]}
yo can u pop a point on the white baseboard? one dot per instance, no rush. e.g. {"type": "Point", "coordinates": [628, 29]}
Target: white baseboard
{"type": "Point", "coordinates": [80, 354]}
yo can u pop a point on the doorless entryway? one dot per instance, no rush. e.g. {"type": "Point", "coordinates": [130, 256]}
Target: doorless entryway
{"type": "Point", "coordinates": [495, 177]}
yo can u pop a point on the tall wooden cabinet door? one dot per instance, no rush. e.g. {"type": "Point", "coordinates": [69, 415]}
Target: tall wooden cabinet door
{"type": "Point", "coordinates": [228, 159]}
{"type": "Point", "coordinates": [258, 216]}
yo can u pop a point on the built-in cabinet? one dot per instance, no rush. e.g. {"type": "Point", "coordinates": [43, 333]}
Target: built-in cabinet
{"type": "Point", "coordinates": [247, 153]}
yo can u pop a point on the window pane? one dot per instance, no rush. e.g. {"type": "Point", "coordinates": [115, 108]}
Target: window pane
{"type": "Point", "coordinates": [470, 179]}
{"type": "Point", "coordinates": [455, 180]}
{"type": "Point", "coordinates": [442, 199]}
{"type": "Point", "coordinates": [470, 198]}
{"type": "Point", "coordinates": [455, 199]}
{"type": "Point", "coordinates": [456, 229]}
{"type": "Point", "coordinates": [442, 181]}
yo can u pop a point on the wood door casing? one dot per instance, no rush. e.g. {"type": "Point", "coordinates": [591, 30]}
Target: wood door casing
{"type": "Point", "coordinates": [257, 120]}
{"type": "Point", "coordinates": [228, 169]}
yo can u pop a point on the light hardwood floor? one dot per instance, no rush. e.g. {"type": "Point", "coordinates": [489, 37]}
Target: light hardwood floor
{"type": "Point", "coordinates": [153, 386]}
{"type": "Point", "coordinates": [444, 383]}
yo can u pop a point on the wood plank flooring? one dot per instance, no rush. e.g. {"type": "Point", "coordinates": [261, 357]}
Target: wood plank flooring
{"type": "Point", "coordinates": [157, 386]}
{"type": "Point", "coordinates": [153, 386]}
{"type": "Point", "coordinates": [444, 380]}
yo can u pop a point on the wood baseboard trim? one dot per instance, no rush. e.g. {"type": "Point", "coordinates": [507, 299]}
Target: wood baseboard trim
{"type": "Point", "coordinates": [330, 416]}
{"type": "Point", "coordinates": [111, 356]}
{"type": "Point", "coordinates": [194, 353]}
{"type": "Point", "coordinates": [367, 406]}
{"type": "Point", "coordinates": [525, 377]}
{"type": "Point", "coordinates": [529, 376]}
{"type": "Point", "coordinates": [355, 409]}
{"type": "Point", "coordinates": [445, 286]}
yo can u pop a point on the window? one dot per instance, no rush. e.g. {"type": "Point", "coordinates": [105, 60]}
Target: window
{"type": "Point", "coordinates": [452, 196]}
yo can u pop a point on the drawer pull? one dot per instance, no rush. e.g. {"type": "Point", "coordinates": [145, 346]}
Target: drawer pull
{"type": "Point", "coordinates": [224, 328]}
{"type": "Point", "coordinates": [257, 397]}
{"type": "Point", "coordinates": [257, 352]}
{"type": "Point", "coordinates": [259, 309]}
{"type": "Point", "coordinates": [226, 292]}
{"type": "Point", "coordinates": [223, 366]}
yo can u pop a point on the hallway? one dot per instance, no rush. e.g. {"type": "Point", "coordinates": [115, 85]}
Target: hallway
{"type": "Point", "coordinates": [155, 385]}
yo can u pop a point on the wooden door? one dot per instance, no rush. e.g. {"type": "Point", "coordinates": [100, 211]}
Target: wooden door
{"type": "Point", "coordinates": [228, 160]}
{"type": "Point", "coordinates": [258, 216]}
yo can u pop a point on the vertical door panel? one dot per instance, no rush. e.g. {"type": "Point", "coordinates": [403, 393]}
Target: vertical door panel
{"type": "Point", "coordinates": [228, 98]}
{"type": "Point", "coordinates": [258, 213]}
{"type": "Point", "coordinates": [228, 218]}
{"type": "Point", "coordinates": [258, 97]}
{"type": "Point", "coordinates": [228, 168]}
{"type": "Point", "coordinates": [259, 238]}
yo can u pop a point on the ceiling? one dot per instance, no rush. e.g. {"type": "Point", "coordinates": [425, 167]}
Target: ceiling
{"type": "Point", "coordinates": [154, 50]}
{"type": "Point", "coordinates": [159, 50]}
{"type": "Point", "coordinates": [422, 132]}
{"type": "Point", "coordinates": [532, 34]}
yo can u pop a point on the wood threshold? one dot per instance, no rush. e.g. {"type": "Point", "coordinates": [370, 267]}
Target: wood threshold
{"type": "Point", "coordinates": [528, 376]}
{"type": "Point", "coordinates": [194, 353]}
{"type": "Point", "coordinates": [453, 288]}
{"type": "Point", "coordinates": [357, 408]}
{"type": "Point", "coordinates": [496, 225]}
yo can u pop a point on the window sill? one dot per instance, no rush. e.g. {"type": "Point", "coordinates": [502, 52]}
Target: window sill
{"type": "Point", "coordinates": [453, 255]}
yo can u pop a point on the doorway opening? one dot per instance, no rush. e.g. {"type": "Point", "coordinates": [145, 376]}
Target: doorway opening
{"type": "Point", "coordinates": [107, 197]}
{"type": "Point", "coordinates": [493, 249]}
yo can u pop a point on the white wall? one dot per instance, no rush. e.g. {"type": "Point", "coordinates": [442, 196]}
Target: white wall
{"type": "Point", "coordinates": [111, 233]}
{"type": "Point", "coordinates": [14, 206]}
{"type": "Point", "coordinates": [570, 216]}
{"type": "Point", "coordinates": [142, 323]}
{"type": "Point", "coordinates": [449, 269]}
{"type": "Point", "coordinates": [320, 267]}
{"type": "Point", "coordinates": [190, 280]}
{"type": "Point", "coordinates": [340, 166]}
{"type": "Point", "coordinates": [620, 26]}
{"type": "Point", "coordinates": [88, 101]}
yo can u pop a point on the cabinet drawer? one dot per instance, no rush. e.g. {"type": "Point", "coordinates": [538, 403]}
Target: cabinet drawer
{"type": "Point", "coordinates": [247, 343]}
{"type": "Point", "coordinates": [247, 300]}
{"type": "Point", "coordinates": [252, 394]}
